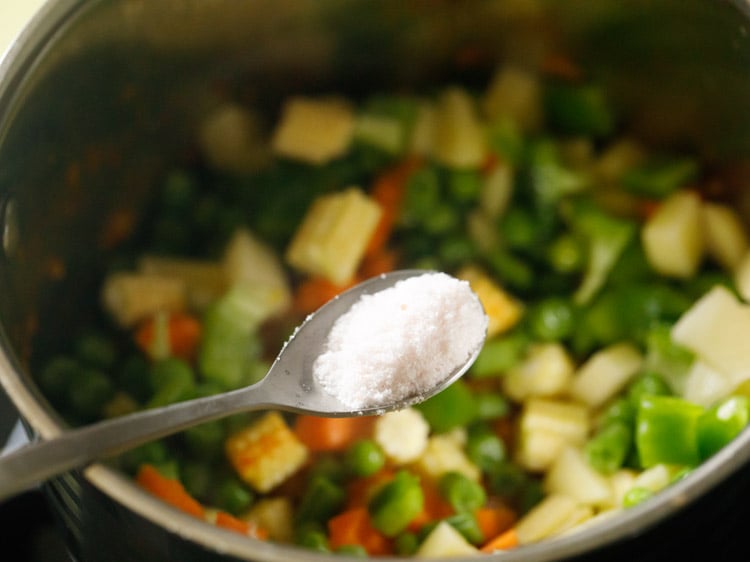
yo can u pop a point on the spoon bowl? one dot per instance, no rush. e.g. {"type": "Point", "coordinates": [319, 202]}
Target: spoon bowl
{"type": "Point", "coordinates": [289, 385]}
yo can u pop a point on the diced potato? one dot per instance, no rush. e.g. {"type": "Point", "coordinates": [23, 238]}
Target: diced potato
{"type": "Point", "coordinates": [593, 520]}
{"type": "Point", "coordinates": [545, 519]}
{"type": "Point", "coordinates": [334, 234]}
{"type": "Point", "coordinates": [580, 515]}
{"type": "Point", "coordinates": [572, 476]}
{"type": "Point", "coordinates": [621, 482]}
{"type": "Point", "coordinates": [459, 137]}
{"type": "Point", "coordinates": [132, 297]}
{"type": "Point", "coordinates": [605, 374]}
{"type": "Point", "coordinates": [546, 427]}
{"type": "Point", "coordinates": [545, 371]}
{"type": "Point", "coordinates": [205, 281]}
{"type": "Point", "coordinates": [248, 260]}
{"type": "Point", "coordinates": [705, 385]}
{"type": "Point", "coordinates": [444, 541]}
{"type": "Point", "coordinates": [655, 478]}
{"type": "Point", "coordinates": [314, 130]}
{"type": "Point", "coordinates": [402, 435]}
{"type": "Point", "coordinates": [422, 139]}
{"type": "Point", "coordinates": [514, 94]}
{"type": "Point", "coordinates": [715, 328]}
{"type": "Point", "coordinates": [266, 453]}
{"type": "Point", "coordinates": [231, 139]}
{"type": "Point", "coordinates": [726, 239]}
{"type": "Point", "coordinates": [673, 237]}
{"type": "Point", "coordinates": [275, 515]}
{"type": "Point", "coordinates": [503, 311]}
{"type": "Point", "coordinates": [443, 454]}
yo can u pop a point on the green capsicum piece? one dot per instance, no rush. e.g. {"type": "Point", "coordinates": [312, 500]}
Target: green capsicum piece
{"type": "Point", "coordinates": [666, 431]}
{"type": "Point", "coordinates": [721, 423]}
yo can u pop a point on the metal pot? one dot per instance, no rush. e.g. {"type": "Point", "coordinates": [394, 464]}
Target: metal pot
{"type": "Point", "coordinates": [97, 97]}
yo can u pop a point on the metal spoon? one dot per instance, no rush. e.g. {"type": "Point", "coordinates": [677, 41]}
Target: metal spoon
{"type": "Point", "coordinates": [289, 385]}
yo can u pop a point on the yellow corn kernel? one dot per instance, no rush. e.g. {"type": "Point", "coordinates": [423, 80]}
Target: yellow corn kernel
{"type": "Point", "coordinates": [503, 311]}
{"type": "Point", "coordinates": [334, 235]}
{"type": "Point", "coordinates": [266, 453]}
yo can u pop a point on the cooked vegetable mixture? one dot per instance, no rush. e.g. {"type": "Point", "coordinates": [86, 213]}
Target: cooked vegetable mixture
{"type": "Point", "coordinates": [614, 280]}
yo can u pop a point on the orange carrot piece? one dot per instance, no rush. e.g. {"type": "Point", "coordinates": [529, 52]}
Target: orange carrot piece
{"type": "Point", "coordinates": [495, 520]}
{"type": "Point", "coordinates": [435, 507]}
{"type": "Point", "coordinates": [228, 521]}
{"type": "Point", "coordinates": [314, 292]}
{"type": "Point", "coordinates": [169, 490]}
{"type": "Point", "coordinates": [331, 434]}
{"type": "Point", "coordinates": [374, 264]}
{"type": "Point", "coordinates": [359, 491]}
{"type": "Point", "coordinates": [355, 527]}
{"type": "Point", "coordinates": [388, 191]}
{"type": "Point", "coordinates": [184, 335]}
{"type": "Point", "coordinates": [505, 541]}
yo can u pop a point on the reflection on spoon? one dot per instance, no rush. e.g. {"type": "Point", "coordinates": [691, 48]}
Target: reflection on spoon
{"type": "Point", "coordinates": [290, 383]}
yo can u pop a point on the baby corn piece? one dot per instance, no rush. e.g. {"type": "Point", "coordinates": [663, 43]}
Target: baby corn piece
{"type": "Point", "coordinates": [266, 453]}
{"type": "Point", "coordinates": [132, 297]}
{"type": "Point", "coordinates": [334, 235]}
{"type": "Point", "coordinates": [503, 311]}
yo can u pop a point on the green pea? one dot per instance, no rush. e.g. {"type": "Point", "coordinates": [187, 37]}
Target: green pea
{"type": "Point", "coordinates": [135, 377]}
{"type": "Point", "coordinates": [463, 493]}
{"type": "Point", "coordinates": [500, 354]}
{"type": "Point", "coordinates": [198, 478]}
{"type": "Point", "coordinates": [636, 495]}
{"type": "Point", "coordinates": [490, 406]}
{"type": "Point", "coordinates": [95, 350]}
{"type": "Point", "coordinates": [406, 543]}
{"type": "Point", "coordinates": [647, 383]}
{"type": "Point", "coordinates": [566, 254]}
{"type": "Point", "coordinates": [154, 452]}
{"type": "Point", "coordinates": [89, 391]}
{"type": "Point", "coordinates": [205, 440]}
{"type": "Point", "coordinates": [320, 501]}
{"type": "Point", "coordinates": [552, 319]}
{"type": "Point", "coordinates": [365, 458]}
{"type": "Point", "coordinates": [396, 503]}
{"type": "Point", "coordinates": [314, 540]}
{"type": "Point", "coordinates": [485, 449]}
{"type": "Point", "coordinates": [466, 524]}
{"type": "Point", "coordinates": [608, 450]}
{"type": "Point", "coordinates": [356, 550]}
{"type": "Point", "coordinates": [233, 496]}
{"type": "Point", "coordinates": [56, 377]}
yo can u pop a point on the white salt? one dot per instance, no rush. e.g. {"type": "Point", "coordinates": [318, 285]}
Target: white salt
{"type": "Point", "coordinates": [401, 342]}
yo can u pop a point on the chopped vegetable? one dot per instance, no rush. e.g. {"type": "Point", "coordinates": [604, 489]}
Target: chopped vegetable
{"type": "Point", "coordinates": [314, 130]}
{"type": "Point", "coordinates": [132, 297]}
{"type": "Point", "coordinates": [320, 434]}
{"type": "Point", "coordinates": [673, 236]}
{"type": "Point", "coordinates": [266, 452]}
{"type": "Point", "coordinates": [395, 505]}
{"type": "Point", "coordinates": [666, 431]}
{"type": "Point", "coordinates": [334, 234]}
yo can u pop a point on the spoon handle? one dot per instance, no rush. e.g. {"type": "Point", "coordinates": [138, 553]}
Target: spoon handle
{"type": "Point", "coordinates": [38, 461]}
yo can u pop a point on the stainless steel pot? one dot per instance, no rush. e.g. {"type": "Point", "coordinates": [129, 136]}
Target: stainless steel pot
{"type": "Point", "coordinates": [97, 97]}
